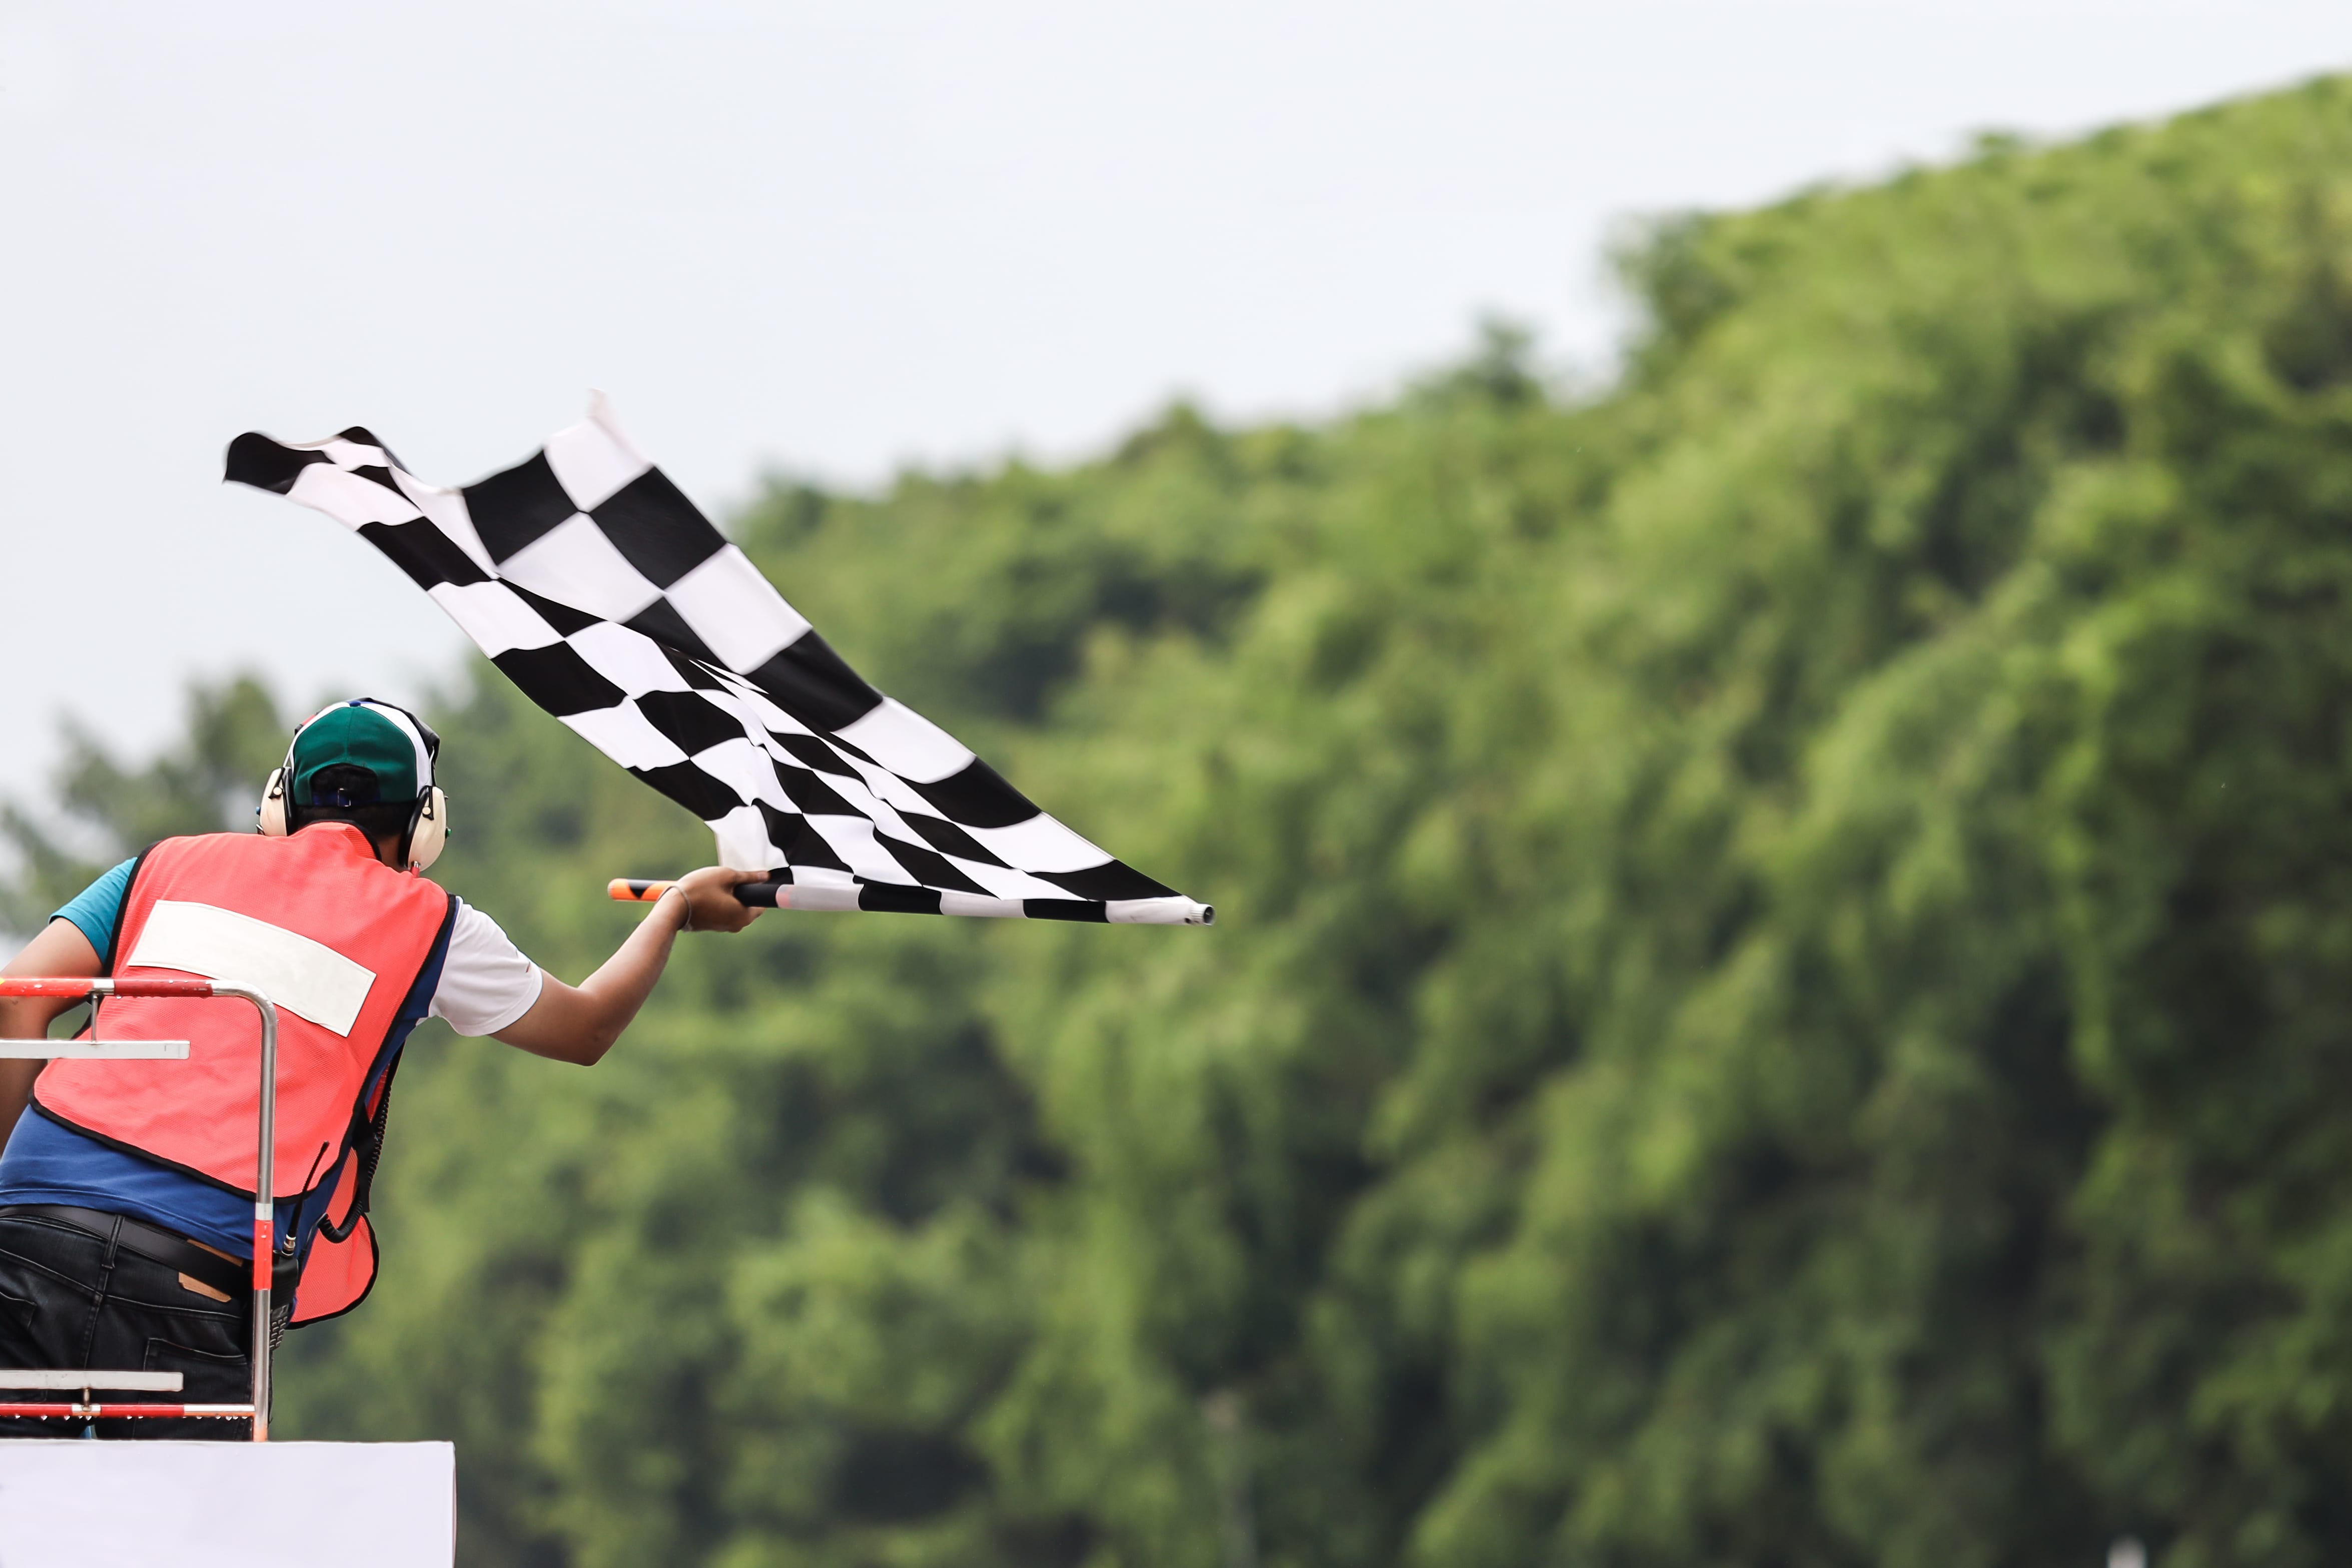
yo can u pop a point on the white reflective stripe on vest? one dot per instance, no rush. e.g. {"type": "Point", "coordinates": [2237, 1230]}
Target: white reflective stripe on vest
{"type": "Point", "coordinates": [306, 978]}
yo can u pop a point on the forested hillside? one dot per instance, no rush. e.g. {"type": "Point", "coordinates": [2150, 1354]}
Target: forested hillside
{"type": "Point", "coordinates": [1782, 993]}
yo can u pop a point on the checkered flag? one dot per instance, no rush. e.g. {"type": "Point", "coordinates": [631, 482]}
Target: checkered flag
{"type": "Point", "coordinates": [597, 587]}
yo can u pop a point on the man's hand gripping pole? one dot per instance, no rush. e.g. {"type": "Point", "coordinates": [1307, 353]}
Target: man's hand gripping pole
{"type": "Point", "coordinates": [756, 895]}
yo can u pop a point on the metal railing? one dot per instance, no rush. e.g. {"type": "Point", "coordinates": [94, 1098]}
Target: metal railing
{"type": "Point", "coordinates": [265, 1219]}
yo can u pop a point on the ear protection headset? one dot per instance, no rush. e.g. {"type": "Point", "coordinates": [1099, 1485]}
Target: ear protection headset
{"type": "Point", "coordinates": [428, 832]}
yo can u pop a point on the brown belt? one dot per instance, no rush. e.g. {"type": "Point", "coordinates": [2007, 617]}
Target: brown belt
{"type": "Point", "coordinates": [225, 1275]}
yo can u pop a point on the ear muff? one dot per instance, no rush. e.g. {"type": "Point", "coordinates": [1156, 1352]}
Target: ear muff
{"type": "Point", "coordinates": [269, 816]}
{"type": "Point", "coordinates": [428, 830]}
{"type": "Point", "coordinates": [273, 818]}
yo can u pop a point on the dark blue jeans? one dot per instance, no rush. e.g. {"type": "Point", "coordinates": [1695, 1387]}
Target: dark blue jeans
{"type": "Point", "coordinates": [71, 1299]}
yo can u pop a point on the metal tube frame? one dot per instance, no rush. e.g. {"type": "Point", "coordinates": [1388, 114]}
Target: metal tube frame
{"type": "Point", "coordinates": [265, 1213]}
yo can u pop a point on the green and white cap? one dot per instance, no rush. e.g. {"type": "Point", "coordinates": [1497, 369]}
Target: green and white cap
{"type": "Point", "coordinates": [382, 741]}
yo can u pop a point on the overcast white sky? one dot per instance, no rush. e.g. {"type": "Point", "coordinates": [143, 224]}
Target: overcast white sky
{"type": "Point", "coordinates": [838, 237]}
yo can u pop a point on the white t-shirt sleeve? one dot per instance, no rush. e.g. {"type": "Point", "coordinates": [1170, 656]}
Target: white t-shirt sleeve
{"type": "Point", "coordinates": [485, 981]}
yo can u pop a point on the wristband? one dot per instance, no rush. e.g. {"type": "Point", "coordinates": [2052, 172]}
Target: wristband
{"type": "Point", "coordinates": [687, 903]}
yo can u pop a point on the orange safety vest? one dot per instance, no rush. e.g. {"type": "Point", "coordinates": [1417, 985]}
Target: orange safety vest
{"type": "Point", "coordinates": [337, 939]}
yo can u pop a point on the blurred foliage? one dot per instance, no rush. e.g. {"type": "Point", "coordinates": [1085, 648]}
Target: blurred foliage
{"type": "Point", "coordinates": [206, 781]}
{"type": "Point", "coordinates": [1783, 992]}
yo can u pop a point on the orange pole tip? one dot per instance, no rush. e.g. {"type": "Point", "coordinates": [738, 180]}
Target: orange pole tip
{"type": "Point", "coordinates": [630, 891]}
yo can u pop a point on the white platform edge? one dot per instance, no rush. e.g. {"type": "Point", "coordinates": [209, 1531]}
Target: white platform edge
{"type": "Point", "coordinates": [105, 1382]}
{"type": "Point", "coordinates": [67, 1503]}
{"type": "Point", "coordinates": [95, 1050]}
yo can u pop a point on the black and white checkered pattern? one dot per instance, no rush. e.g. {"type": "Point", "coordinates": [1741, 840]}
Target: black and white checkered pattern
{"type": "Point", "coordinates": [597, 587]}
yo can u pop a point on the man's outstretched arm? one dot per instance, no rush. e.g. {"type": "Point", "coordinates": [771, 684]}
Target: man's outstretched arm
{"type": "Point", "coordinates": [59, 950]}
{"type": "Point", "coordinates": [579, 1023]}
